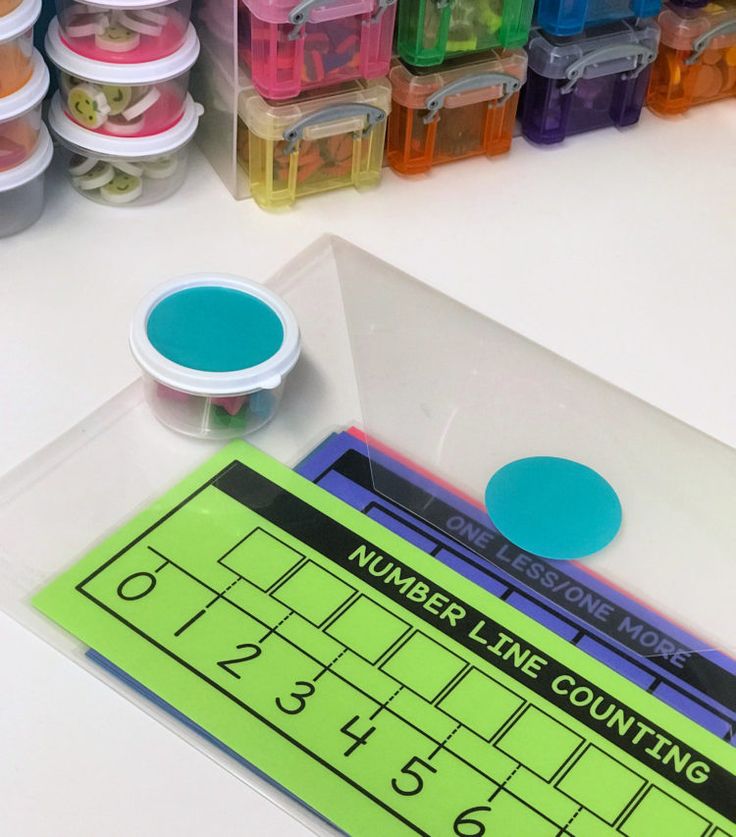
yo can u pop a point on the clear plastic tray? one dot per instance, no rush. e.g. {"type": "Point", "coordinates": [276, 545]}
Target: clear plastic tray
{"type": "Point", "coordinates": [459, 407]}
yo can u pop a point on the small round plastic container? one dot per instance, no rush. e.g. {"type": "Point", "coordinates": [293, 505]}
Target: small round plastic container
{"type": "Point", "coordinates": [125, 172]}
{"type": "Point", "coordinates": [22, 189]}
{"type": "Point", "coordinates": [20, 117]}
{"type": "Point", "coordinates": [124, 31]}
{"type": "Point", "coordinates": [123, 100]}
{"type": "Point", "coordinates": [16, 46]}
{"type": "Point", "coordinates": [215, 351]}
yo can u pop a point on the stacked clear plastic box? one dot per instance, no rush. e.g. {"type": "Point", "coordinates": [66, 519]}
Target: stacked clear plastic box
{"type": "Point", "coordinates": [295, 94]}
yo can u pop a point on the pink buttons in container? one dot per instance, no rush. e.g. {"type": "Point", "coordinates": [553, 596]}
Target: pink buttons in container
{"type": "Point", "coordinates": [290, 46]}
{"type": "Point", "coordinates": [123, 100]}
{"type": "Point", "coordinates": [20, 117]}
{"type": "Point", "coordinates": [123, 31]}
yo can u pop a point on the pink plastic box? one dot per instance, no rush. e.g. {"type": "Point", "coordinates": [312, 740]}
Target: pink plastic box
{"type": "Point", "coordinates": [124, 31]}
{"type": "Point", "coordinates": [289, 46]}
{"type": "Point", "coordinates": [123, 100]}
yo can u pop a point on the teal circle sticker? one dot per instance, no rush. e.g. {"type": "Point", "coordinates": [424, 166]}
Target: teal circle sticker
{"type": "Point", "coordinates": [214, 328]}
{"type": "Point", "coordinates": [555, 508]}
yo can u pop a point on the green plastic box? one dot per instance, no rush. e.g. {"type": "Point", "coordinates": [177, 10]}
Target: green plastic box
{"type": "Point", "coordinates": [430, 31]}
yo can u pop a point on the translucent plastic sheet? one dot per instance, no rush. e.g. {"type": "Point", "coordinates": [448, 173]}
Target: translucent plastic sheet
{"type": "Point", "coordinates": [444, 394]}
{"type": "Point", "coordinates": [458, 396]}
{"type": "Point", "coordinates": [73, 493]}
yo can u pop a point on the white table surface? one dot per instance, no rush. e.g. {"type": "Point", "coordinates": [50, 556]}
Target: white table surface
{"type": "Point", "coordinates": [617, 250]}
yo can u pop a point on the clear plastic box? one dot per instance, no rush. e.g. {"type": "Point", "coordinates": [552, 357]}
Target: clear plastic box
{"type": "Point", "coordinates": [22, 189]}
{"type": "Point", "coordinates": [214, 401]}
{"type": "Point", "coordinates": [116, 171]}
{"type": "Point", "coordinates": [16, 46]}
{"type": "Point", "coordinates": [570, 17]}
{"type": "Point", "coordinates": [594, 80]}
{"type": "Point", "coordinates": [465, 109]}
{"type": "Point", "coordinates": [124, 31]}
{"type": "Point", "coordinates": [20, 117]}
{"type": "Point", "coordinates": [123, 100]}
{"type": "Point", "coordinates": [319, 142]}
{"type": "Point", "coordinates": [697, 59]}
{"type": "Point", "coordinates": [290, 46]}
{"type": "Point", "coordinates": [430, 31]}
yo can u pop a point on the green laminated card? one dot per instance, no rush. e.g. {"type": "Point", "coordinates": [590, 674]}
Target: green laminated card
{"type": "Point", "coordinates": [385, 691]}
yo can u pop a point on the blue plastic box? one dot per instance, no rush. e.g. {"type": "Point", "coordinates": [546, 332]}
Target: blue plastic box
{"type": "Point", "coordinates": [570, 17]}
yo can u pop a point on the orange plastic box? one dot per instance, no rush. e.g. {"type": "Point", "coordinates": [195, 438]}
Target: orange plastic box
{"type": "Point", "coordinates": [464, 109]}
{"type": "Point", "coordinates": [697, 59]}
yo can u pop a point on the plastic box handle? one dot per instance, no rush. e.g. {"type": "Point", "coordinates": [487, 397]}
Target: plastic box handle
{"type": "Point", "coordinates": [510, 85]}
{"type": "Point", "coordinates": [700, 44]}
{"type": "Point", "coordinates": [333, 113]}
{"type": "Point", "coordinates": [299, 15]}
{"type": "Point", "coordinates": [644, 56]}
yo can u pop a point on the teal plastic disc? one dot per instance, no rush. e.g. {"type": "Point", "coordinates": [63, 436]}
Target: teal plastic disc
{"type": "Point", "coordinates": [555, 508]}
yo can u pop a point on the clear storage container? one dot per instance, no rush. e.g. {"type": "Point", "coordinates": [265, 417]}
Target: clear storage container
{"type": "Point", "coordinates": [318, 142]}
{"type": "Point", "coordinates": [430, 31]}
{"type": "Point", "coordinates": [20, 117]}
{"type": "Point", "coordinates": [118, 171]}
{"type": "Point", "coordinates": [465, 109]}
{"type": "Point", "coordinates": [123, 100]}
{"type": "Point", "coordinates": [22, 189]}
{"type": "Point", "coordinates": [124, 31]}
{"type": "Point", "coordinates": [16, 45]}
{"type": "Point", "coordinates": [291, 46]}
{"type": "Point", "coordinates": [215, 352]}
{"type": "Point", "coordinates": [697, 59]}
{"type": "Point", "coordinates": [594, 80]}
{"type": "Point", "coordinates": [570, 17]}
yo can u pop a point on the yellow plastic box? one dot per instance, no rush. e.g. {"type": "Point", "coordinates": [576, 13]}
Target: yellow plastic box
{"type": "Point", "coordinates": [315, 143]}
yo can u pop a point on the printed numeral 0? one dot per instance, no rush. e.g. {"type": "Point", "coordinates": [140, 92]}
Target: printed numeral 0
{"type": "Point", "coordinates": [416, 781]}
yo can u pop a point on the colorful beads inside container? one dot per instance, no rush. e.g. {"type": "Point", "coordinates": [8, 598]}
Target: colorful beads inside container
{"type": "Point", "coordinates": [15, 66]}
{"type": "Point", "coordinates": [331, 49]}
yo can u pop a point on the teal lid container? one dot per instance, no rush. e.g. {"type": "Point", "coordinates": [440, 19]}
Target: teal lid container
{"type": "Point", "coordinates": [215, 351]}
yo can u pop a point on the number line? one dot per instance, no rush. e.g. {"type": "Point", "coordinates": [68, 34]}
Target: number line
{"type": "Point", "coordinates": [631, 806]}
{"type": "Point", "coordinates": [249, 709]}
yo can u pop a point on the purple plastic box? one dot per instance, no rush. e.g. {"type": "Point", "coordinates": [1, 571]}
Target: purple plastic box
{"type": "Point", "coordinates": [594, 80]}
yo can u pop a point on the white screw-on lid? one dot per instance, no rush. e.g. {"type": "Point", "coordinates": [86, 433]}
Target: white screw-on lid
{"type": "Point", "coordinates": [30, 95]}
{"type": "Point", "coordinates": [195, 334]}
{"type": "Point", "coordinates": [34, 166]}
{"type": "Point", "coordinates": [146, 73]}
{"type": "Point", "coordinates": [19, 20]}
{"type": "Point", "coordinates": [92, 143]}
